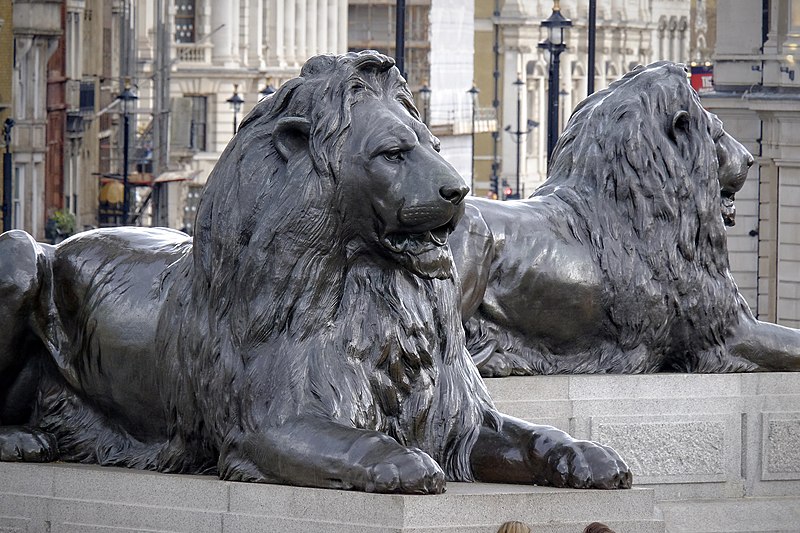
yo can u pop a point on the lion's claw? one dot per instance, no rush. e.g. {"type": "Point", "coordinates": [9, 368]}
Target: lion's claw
{"type": "Point", "coordinates": [22, 443]}
{"type": "Point", "coordinates": [409, 471]}
{"type": "Point", "coordinates": [587, 465]}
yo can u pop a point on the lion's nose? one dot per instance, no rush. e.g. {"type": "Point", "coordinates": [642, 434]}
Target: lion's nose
{"type": "Point", "coordinates": [455, 193]}
{"type": "Point", "coordinates": [750, 160]}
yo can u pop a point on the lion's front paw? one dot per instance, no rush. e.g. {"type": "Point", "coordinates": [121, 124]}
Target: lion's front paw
{"type": "Point", "coordinates": [409, 470]}
{"type": "Point", "coordinates": [22, 443]}
{"type": "Point", "coordinates": [582, 464]}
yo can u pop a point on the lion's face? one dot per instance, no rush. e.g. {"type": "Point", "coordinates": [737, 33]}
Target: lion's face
{"type": "Point", "coordinates": [734, 162]}
{"type": "Point", "coordinates": [399, 195]}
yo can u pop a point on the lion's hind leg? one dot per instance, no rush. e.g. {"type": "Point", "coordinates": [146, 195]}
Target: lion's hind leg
{"type": "Point", "coordinates": [21, 261]}
{"type": "Point", "coordinates": [86, 435]}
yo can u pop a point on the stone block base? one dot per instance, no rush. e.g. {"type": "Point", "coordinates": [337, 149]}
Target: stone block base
{"type": "Point", "coordinates": [60, 498]}
{"type": "Point", "coordinates": [721, 451]}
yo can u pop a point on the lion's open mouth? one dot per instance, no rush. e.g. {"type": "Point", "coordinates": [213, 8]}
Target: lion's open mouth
{"type": "Point", "coordinates": [728, 208]}
{"type": "Point", "coordinates": [417, 243]}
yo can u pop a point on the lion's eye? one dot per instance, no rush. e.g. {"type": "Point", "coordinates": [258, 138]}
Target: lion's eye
{"type": "Point", "coordinates": [393, 155]}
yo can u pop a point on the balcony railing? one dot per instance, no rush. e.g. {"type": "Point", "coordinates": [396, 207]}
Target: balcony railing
{"type": "Point", "coordinates": [193, 53]}
{"type": "Point", "coordinates": [459, 121]}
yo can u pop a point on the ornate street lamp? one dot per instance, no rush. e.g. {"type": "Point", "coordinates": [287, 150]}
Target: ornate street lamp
{"type": "Point", "coordinates": [127, 96]}
{"type": "Point", "coordinates": [425, 93]}
{"type": "Point", "coordinates": [473, 92]}
{"type": "Point", "coordinates": [7, 125]}
{"type": "Point", "coordinates": [554, 45]}
{"type": "Point", "coordinates": [266, 91]}
{"type": "Point", "coordinates": [519, 133]}
{"type": "Point", "coordinates": [236, 102]}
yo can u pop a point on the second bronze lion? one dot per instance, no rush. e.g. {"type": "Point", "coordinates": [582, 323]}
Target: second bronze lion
{"type": "Point", "coordinates": [619, 262]}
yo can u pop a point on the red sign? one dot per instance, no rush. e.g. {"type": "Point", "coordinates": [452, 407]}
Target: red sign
{"type": "Point", "coordinates": [703, 78]}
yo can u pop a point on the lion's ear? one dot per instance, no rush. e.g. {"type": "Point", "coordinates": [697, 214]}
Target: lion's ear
{"type": "Point", "coordinates": [290, 136]}
{"type": "Point", "coordinates": [680, 124]}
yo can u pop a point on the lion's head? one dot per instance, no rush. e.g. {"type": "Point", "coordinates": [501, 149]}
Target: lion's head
{"type": "Point", "coordinates": [652, 175]}
{"type": "Point", "coordinates": [655, 130]}
{"type": "Point", "coordinates": [337, 158]}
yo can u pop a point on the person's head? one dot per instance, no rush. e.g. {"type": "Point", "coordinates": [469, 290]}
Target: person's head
{"type": "Point", "coordinates": [514, 527]}
{"type": "Point", "coordinates": [597, 527]}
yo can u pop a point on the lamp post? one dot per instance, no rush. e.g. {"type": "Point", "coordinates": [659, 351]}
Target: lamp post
{"type": "Point", "coordinates": [425, 93]}
{"type": "Point", "coordinates": [517, 135]}
{"type": "Point", "coordinates": [236, 102]}
{"type": "Point", "coordinates": [591, 47]}
{"type": "Point", "coordinates": [473, 92]}
{"type": "Point", "coordinates": [127, 96]}
{"type": "Point", "coordinates": [554, 45]}
{"type": "Point", "coordinates": [400, 36]}
{"type": "Point", "coordinates": [7, 125]}
{"type": "Point", "coordinates": [266, 91]}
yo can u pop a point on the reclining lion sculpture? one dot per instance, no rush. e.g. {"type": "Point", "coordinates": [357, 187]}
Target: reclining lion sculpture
{"type": "Point", "coordinates": [310, 334]}
{"type": "Point", "coordinates": [619, 262]}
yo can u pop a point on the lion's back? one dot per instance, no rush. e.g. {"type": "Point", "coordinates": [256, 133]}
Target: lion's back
{"type": "Point", "coordinates": [110, 285]}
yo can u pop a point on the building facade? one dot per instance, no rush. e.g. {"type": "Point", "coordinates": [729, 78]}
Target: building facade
{"type": "Point", "coordinates": [439, 56]}
{"type": "Point", "coordinates": [6, 75]}
{"type": "Point", "coordinates": [757, 96]}
{"type": "Point", "coordinates": [629, 32]}
{"type": "Point", "coordinates": [213, 50]}
{"type": "Point", "coordinates": [36, 29]}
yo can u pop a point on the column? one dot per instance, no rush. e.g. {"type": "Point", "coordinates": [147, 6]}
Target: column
{"type": "Point", "coordinates": [289, 20]}
{"type": "Point", "coordinates": [255, 34]}
{"type": "Point", "coordinates": [236, 7]}
{"type": "Point", "coordinates": [222, 13]}
{"type": "Point", "coordinates": [322, 27]}
{"type": "Point", "coordinates": [311, 27]}
{"type": "Point", "coordinates": [332, 45]}
{"type": "Point", "coordinates": [301, 32]}
{"type": "Point", "coordinates": [276, 33]}
{"type": "Point", "coordinates": [342, 18]}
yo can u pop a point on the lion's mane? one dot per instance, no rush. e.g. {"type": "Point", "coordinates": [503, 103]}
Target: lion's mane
{"type": "Point", "coordinates": [276, 317]}
{"type": "Point", "coordinates": [648, 203]}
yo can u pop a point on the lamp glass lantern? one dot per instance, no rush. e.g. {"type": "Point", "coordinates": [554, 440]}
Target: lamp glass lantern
{"type": "Point", "coordinates": [236, 100]}
{"type": "Point", "coordinates": [556, 23]}
{"type": "Point", "coordinates": [267, 90]}
{"type": "Point", "coordinates": [127, 95]}
{"type": "Point", "coordinates": [425, 94]}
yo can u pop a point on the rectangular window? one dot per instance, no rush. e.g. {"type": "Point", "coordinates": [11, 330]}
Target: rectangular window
{"type": "Point", "coordinates": [87, 97]}
{"type": "Point", "coordinates": [198, 123]}
{"type": "Point", "coordinates": [193, 193]}
{"type": "Point", "coordinates": [18, 193]}
{"type": "Point", "coordinates": [184, 21]}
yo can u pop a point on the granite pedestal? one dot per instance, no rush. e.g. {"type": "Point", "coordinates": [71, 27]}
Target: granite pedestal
{"type": "Point", "coordinates": [78, 498]}
{"type": "Point", "coordinates": [721, 451]}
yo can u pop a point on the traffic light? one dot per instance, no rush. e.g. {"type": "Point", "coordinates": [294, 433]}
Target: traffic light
{"type": "Point", "coordinates": [493, 185]}
{"type": "Point", "coordinates": [506, 190]}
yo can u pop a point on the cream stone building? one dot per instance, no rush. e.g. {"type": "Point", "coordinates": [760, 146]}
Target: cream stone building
{"type": "Point", "coordinates": [629, 32]}
{"type": "Point", "coordinates": [215, 48]}
{"type": "Point", "coordinates": [36, 27]}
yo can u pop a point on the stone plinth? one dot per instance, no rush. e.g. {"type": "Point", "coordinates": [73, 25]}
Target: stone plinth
{"type": "Point", "coordinates": [721, 451]}
{"type": "Point", "coordinates": [78, 498]}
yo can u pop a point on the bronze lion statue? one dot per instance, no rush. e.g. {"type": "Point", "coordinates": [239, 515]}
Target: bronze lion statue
{"type": "Point", "coordinates": [619, 262]}
{"type": "Point", "coordinates": [309, 334]}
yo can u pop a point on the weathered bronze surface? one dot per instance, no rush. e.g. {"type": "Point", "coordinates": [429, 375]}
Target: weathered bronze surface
{"type": "Point", "coordinates": [619, 262]}
{"type": "Point", "coordinates": [309, 335]}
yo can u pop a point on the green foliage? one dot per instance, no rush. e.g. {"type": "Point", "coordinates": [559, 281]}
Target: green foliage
{"type": "Point", "coordinates": [65, 221]}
